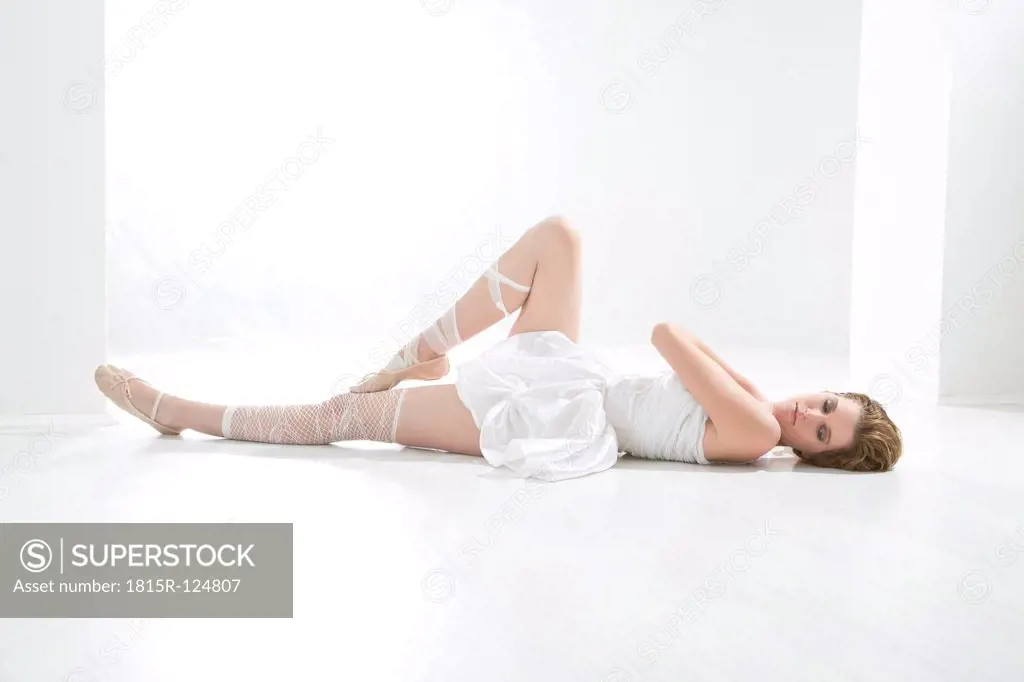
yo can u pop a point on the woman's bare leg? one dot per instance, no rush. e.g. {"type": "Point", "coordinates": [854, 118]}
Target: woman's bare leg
{"type": "Point", "coordinates": [544, 250]}
{"type": "Point", "coordinates": [434, 417]}
{"type": "Point", "coordinates": [556, 297]}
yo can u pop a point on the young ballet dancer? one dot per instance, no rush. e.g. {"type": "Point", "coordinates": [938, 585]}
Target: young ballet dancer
{"type": "Point", "coordinates": [539, 403]}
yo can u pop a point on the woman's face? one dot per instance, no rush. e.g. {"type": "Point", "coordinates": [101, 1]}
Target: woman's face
{"type": "Point", "coordinates": [817, 422]}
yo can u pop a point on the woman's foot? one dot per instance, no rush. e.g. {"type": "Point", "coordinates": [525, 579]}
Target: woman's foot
{"type": "Point", "coordinates": [387, 379]}
{"type": "Point", "coordinates": [136, 397]}
{"type": "Point", "coordinates": [406, 364]}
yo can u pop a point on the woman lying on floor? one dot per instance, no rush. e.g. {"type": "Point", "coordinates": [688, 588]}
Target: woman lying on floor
{"type": "Point", "coordinates": [539, 403]}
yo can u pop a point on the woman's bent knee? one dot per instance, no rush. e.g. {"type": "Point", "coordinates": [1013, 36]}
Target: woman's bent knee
{"type": "Point", "coordinates": [560, 234]}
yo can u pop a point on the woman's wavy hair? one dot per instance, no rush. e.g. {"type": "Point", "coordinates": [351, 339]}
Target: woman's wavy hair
{"type": "Point", "coordinates": [877, 442]}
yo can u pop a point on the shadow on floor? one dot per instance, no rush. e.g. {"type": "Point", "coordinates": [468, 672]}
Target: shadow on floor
{"type": "Point", "coordinates": [345, 455]}
{"type": "Point", "coordinates": [789, 464]}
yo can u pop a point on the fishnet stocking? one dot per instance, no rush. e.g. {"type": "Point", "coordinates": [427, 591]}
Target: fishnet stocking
{"type": "Point", "coordinates": [348, 416]}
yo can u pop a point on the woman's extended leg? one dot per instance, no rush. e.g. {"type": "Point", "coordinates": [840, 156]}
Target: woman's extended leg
{"type": "Point", "coordinates": [348, 416]}
{"type": "Point", "coordinates": [426, 417]}
{"type": "Point", "coordinates": [543, 251]}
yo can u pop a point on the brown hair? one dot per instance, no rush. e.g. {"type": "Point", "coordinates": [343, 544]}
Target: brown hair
{"type": "Point", "coordinates": [877, 442]}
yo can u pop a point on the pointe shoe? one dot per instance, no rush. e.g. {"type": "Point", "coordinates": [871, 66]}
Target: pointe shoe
{"type": "Point", "coordinates": [113, 382]}
{"type": "Point", "coordinates": [386, 379]}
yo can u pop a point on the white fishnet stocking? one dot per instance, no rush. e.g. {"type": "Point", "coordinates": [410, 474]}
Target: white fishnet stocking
{"type": "Point", "coordinates": [348, 416]}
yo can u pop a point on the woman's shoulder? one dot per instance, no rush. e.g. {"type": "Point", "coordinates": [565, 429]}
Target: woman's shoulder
{"type": "Point", "coordinates": [738, 447]}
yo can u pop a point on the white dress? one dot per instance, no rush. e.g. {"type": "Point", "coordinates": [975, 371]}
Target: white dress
{"type": "Point", "coordinates": [547, 408]}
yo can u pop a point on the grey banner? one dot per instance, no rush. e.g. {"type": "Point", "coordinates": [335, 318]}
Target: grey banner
{"type": "Point", "coordinates": [146, 570]}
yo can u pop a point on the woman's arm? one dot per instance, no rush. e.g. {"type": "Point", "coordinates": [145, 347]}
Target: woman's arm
{"type": "Point", "coordinates": [742, 427]}
{"type": "Point", "coordinates": [743, 381]}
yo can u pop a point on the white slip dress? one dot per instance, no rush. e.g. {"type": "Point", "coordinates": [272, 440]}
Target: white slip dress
{"type": "Point", "coordinates": [547, 408]}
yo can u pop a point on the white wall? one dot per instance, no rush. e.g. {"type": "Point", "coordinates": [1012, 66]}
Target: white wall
{"type": "Point", "coordinates": [938, 247]}
{"type": "Point", "coordinates": [983, 286]}
{"type": "Point", "coordinates": [900, 204]}
{"type": "Point", "coordinates": [667, 136]}
{"type": "Point", "coordinates": [51, 208]}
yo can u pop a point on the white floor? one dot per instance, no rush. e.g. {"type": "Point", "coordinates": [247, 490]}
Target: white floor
{"type": "Point", "coordinates": [414, 565]}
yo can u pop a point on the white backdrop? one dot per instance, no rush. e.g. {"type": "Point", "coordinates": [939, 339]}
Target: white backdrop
{"type": "Point", "coordinates": [705, 150]}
